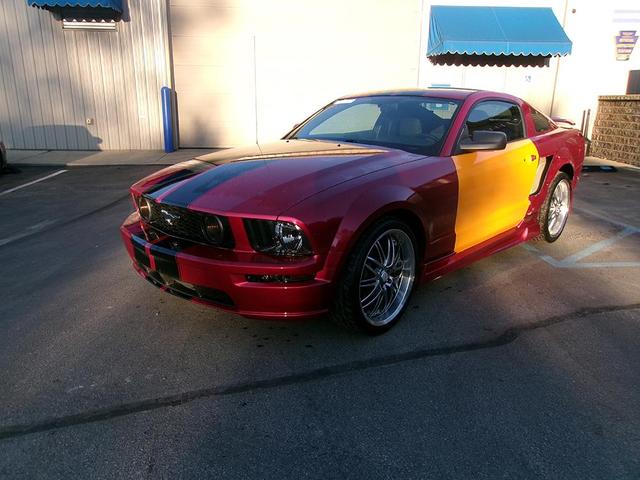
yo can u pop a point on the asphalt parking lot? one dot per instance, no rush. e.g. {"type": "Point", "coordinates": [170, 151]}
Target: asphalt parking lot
{"type": "Point", "coordinates": [523, 365]}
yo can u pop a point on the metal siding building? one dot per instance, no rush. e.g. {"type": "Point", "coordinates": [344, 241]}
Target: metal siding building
{"type": "Point", "coordinates": [53, 80]}
{"type": "Point", "coordinates": [247, 70]}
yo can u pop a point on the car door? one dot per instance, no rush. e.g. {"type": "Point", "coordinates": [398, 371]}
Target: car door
{"type": "Point", "coordinates": [493, 185]}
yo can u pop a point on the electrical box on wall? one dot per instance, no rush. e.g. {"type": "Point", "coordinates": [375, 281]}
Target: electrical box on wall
{"type": "Point", "coordinates": [633, 85]}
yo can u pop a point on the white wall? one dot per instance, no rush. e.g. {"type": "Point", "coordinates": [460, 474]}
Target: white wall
{"type": "Point", "coordinates": [311, 52]}
{"type": "Point", "coordinates": [248, 69]}
{"type": "Point", "coordinates": [308, 52]}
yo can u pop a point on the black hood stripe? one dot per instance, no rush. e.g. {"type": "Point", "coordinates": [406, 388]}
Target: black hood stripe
{"type": "Point", "coordinates": [177, 176]}
{"type": "Point", "coordinates": [206, 181]}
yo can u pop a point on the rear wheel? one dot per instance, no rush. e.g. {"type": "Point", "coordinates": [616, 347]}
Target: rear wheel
{"type": "Point", "coordinates": [378, 280]}
{"type": "Point", "coordinates": [555, 211]}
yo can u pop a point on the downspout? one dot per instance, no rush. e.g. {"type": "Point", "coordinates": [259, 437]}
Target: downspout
{"type": "Point", "coordinates": [420, 42]}
{"type": "Point", "coordinates": [255, 86]}
{"type": "Point", "coordinates": [172, 105]}
{"type": "Point", "coordinates": [555, 80]}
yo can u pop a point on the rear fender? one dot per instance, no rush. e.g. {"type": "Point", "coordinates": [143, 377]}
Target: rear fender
{"type": "Point", "coordinates": [570, 152]}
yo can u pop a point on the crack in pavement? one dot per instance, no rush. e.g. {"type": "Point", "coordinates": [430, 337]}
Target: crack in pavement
{"type": "Point", "coordinates": [506, 337]}
{"type": "Point", "coordinates": [56, 224]}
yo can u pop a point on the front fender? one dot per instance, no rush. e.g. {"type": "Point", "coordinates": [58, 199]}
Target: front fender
{"type": "Point", "coordinates": [364, 211]}
{"type": "Point", "coordinates": [425, 190]}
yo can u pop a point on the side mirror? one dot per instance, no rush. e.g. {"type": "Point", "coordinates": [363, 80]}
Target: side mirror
{"type": "Point", "coordinates": [484, 140]}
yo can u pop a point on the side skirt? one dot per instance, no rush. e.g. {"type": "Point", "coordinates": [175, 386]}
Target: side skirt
{"type": "Point", "coordinates": [454, 261]}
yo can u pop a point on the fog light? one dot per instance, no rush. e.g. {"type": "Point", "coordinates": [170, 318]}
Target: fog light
{"type": "Point", "coordinates": [213, 229]}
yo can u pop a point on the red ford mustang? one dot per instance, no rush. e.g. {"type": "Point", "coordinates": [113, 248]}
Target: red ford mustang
{"type": "Point", "coordinates": [352, 208]}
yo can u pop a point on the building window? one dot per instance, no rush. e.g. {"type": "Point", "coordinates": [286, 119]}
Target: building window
{"type": "Point", "coordinates": [86, 18]}
{"type": "Point", "coordinates": [73, 24]}
{"type": "Point", "coordinates": [83, 14]}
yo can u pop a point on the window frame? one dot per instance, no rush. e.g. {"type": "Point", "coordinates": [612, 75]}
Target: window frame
{"type": "Point", "coordinates": [549, 121]}
{"type": "Point", "coordinates": [525, 133]}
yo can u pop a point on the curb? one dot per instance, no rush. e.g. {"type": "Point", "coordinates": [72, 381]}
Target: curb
{"type": "Point", "coordinates": [73, 165]}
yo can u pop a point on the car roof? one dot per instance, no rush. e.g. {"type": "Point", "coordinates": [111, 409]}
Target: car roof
{"type": "Point", "coordinates": [449, 93]}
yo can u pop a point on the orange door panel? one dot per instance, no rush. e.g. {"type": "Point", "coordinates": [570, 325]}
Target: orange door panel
{"type": "Point", "coordinates": [493, 191]}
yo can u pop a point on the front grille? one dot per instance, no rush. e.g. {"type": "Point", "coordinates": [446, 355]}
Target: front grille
{"type": "Point", "coordinates": [186, 224]}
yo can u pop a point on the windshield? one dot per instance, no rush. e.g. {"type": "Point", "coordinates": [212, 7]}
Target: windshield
{"type": "Point", "coordinates": [415, 124]}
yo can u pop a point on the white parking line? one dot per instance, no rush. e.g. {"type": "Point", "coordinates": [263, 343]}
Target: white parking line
{"type": "Point", "coordinates": [573, 261]}
{"type": "Point", "coordinates": [54, 174]}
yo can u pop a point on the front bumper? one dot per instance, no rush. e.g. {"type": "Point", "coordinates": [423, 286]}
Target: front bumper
{"type": "Point", "coordinates": [218, 277]}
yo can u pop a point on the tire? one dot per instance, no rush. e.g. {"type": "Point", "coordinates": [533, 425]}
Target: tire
{"type": "Point", "coordinates": [3, 159]}
{"type": "Point", "coordinates": [360, 287]}
{"type": "Point", "coordinates": [552, 211]}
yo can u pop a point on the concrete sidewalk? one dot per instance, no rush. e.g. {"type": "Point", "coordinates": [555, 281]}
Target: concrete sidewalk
{"type": "Point", "coordinates": [61, 158]}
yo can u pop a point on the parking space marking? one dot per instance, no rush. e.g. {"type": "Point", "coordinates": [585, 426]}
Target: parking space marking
{"type": "Point", "coordinates": [573, 260]}
{"type": "Point", "coordinates": [54, 174]}
{"type": "Point", "coordinates": [601, 216]}
{"type": "Point", "coordinates": [599, 245]}
{"type": "Point", "coordinates": [572, 264]}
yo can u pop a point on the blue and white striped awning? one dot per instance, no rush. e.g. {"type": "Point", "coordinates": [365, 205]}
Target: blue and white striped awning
{"type": "Point", "coordinates": [496, 31]}
{"type": "Point", "coordinates": [112, 4]}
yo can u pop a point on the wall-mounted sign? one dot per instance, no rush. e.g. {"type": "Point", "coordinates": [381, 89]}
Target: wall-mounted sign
{"type": "Point", "coordinates": [625, 42]}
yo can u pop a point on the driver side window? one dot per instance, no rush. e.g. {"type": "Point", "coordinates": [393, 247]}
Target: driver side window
{"type": "Point", "coordinates": [496, 116]}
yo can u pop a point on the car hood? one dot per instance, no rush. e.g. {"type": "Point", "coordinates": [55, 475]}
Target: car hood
{"type": "Point", "coordinates": [265, 179]}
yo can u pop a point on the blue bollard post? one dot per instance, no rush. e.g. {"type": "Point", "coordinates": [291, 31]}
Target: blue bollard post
{"type": "Point", "coordinates": [167, 120]}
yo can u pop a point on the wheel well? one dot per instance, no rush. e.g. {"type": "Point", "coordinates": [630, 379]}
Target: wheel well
{"type": "Point", "coordinates": [568, 169]}
{"type": "Point", "coordinates": [408, 217]}
{"type": "Point", "coordinates": [413, 221]}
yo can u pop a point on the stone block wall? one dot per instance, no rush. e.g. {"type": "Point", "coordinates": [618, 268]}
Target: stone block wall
{"type": "Point", "coordinates": [616, 132]}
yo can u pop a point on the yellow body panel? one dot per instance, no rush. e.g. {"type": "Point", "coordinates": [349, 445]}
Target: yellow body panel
{"type": "Point", "coordinates": [493, 191]}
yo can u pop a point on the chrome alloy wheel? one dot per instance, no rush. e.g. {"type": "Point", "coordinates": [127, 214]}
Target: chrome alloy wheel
{"type": "Point", "coordinates": [387, 277]}
{"type": "Point", "coordinates": [558, 208]}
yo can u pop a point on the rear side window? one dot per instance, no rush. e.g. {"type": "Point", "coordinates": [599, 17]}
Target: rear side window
{"type": "Point", "coordinates": [496, 116]}
{"type": "Point", "coordinates": [541, 122]}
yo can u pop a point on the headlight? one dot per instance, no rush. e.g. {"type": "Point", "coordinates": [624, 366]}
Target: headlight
{"type": "Point", "coordinates": [145, 208]}
{"type": "Point", "coordinates": [213, 229]}
{"type": "Point", "coordinates": [277, 238]}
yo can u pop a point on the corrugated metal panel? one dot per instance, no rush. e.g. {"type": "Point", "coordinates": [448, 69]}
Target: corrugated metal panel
{"type": "Point", "coordinates": [52, 80]}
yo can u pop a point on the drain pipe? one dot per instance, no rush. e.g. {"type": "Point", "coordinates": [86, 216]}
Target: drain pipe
{"type": "Point", "coordinates": [167, 119]}
{"type": "Point", "coordinates": [555, 80]}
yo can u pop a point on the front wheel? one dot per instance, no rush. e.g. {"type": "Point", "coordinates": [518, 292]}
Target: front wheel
{"type": "Point", "coordinates": [378, 280]}
{"type": "Point", "coordinates": [555, 211]}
